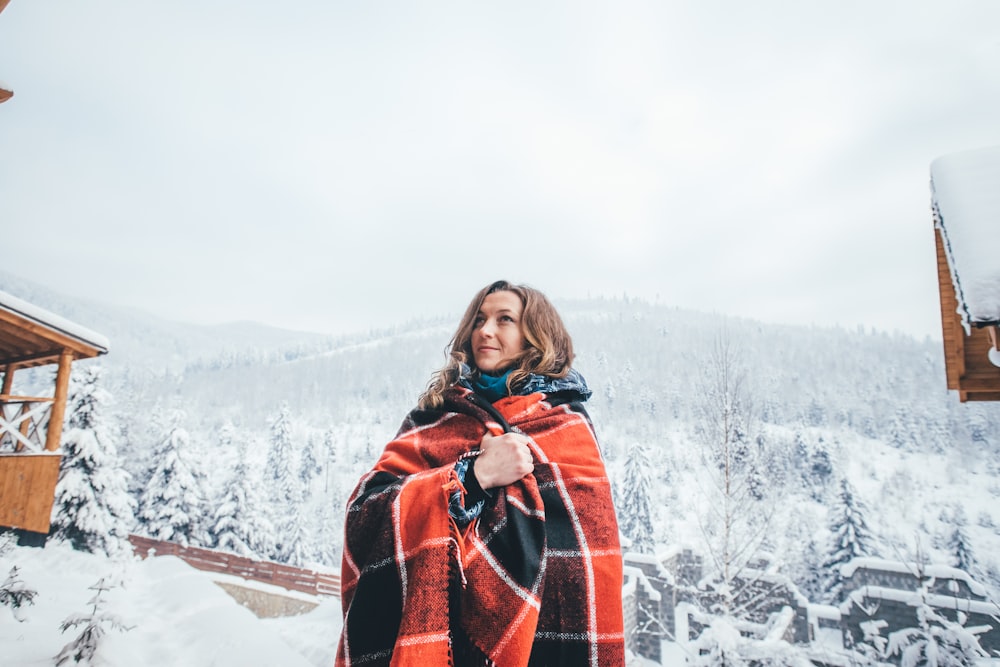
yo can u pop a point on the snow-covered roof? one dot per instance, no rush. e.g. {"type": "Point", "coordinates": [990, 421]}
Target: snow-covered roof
{"type": "Point", "coordinates": [635, 576]}
{"type": "Point", "coordinates": [935, 571]}
{"type": "Point", "coordinates": [827, 611]}
{"type": "Point", "coordinates": [966, 198]}
{"type": "Point", "coordinates": [53, 322]}
{"type": "Point", "coordinates": [914, 599]}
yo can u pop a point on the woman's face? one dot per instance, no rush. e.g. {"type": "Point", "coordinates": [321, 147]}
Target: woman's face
{"type": "Point", "coordinates": [496, 335]}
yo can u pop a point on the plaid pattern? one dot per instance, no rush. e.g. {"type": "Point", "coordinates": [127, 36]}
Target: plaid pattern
{"type": "Point", "coordinates": [534, 581]}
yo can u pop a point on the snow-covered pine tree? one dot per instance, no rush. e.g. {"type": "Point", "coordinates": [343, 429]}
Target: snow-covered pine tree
{"type": "Point", "coordinates": [226, 433]}
{"type": "Point", "coordinates": [14, 593]}
{"type": "Point", "coordinates": [962, 553]}
{"type": "Point", "coordinates": [297, 544]}
{"type": "Point", "coordinates": [308, 464]}
{"type": "Point", "coordinates": [808, 573]}
{"type": "Point", "coordinates": [292, 540]}
{"type": "Point", "coordinates": [172, 504]}
{"type": "Point", "coordinates": [901, 429]}
{"type": "Point", "coordinates": [820, 469]}
{"type": "Point", "coordinates": [240, 523]}
{"type": "Point", "coordinates": [635, 505]}
{"type": "Point", "coordinates": [329, 535]}
{"type": "Point", "coordinates": [96, 624]}
{"type": "Point", "coordinates": [93, 510]}
{"type": "Point", "coordinates": [329, 459]}
{"type": "Point", "coordinates": [850, 539]}
{"type": "Point", "coordinates": [280, 459]}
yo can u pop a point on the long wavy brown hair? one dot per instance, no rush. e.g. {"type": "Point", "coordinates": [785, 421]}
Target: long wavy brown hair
{"type": "Point", "coordinates": [548, 347]}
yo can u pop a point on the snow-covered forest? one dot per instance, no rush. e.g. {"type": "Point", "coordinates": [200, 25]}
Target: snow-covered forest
{"type": "Point", "coordinates": [250, 439]}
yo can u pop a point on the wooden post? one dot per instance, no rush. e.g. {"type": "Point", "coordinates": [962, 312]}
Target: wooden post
{"type": "Point", "coordinates": [8, 383]}
{"type": "Point", "coordinates": [8, 380]}
{"type": "Point", "coordinates": [54, 436]}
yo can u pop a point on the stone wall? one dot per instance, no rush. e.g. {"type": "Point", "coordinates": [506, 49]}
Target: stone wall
{"type": "Point", "coordinates": [265, 604]}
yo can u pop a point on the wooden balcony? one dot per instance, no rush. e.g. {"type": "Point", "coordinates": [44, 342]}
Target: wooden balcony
{"type": "Point", "coordinates": [31, 426]}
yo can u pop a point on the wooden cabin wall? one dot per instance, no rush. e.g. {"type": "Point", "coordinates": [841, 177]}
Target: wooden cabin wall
{"type": "Point", "coordinates": [27, 490]}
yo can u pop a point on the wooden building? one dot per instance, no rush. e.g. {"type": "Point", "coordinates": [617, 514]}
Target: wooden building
{"type": "Point", "coordinates": [890, 595]}
{"type": "Point", "coordinates": [966, 208]}
{"type": "Point", "coordinates": [31, 426]}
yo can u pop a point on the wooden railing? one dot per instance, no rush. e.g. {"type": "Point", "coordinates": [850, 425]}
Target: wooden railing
{"type": "Point", "coordinates": [23, 423]}
{"type": "Point", "coordinates": [291, 578]}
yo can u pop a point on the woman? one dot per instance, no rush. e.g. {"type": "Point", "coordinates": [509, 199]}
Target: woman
{"type": "Point", "coordinates": [485, 534]}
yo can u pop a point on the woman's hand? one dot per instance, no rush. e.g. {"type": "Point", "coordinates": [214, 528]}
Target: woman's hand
{"type": "Point", "coordinates": [504, 460]}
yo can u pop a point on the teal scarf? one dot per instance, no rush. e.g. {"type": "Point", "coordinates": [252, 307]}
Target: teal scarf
{"type": "Point", "coordinates": [492, 387]}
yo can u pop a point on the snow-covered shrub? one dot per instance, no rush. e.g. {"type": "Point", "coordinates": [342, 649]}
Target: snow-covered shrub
{"type": "Point", "coordinates": [95, 625]}
{"type": "Point", "coordinates": [15, 594]}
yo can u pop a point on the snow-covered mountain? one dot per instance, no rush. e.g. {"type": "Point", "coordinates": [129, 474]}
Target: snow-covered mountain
{"type": "Point", "coordinates": [828, 404]}
{"type": "Point", "coordinates": [140, 339]}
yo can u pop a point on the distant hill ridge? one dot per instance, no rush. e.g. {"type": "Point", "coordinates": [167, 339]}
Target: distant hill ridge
{"type": "Point", "coordinates": [631, 349]}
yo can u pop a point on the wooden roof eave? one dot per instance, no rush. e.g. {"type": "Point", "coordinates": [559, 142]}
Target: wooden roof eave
{"type": "Point", "coordinates": [967, 368]}
{"type": "Point", "coordinates": [36, 343]}
{"type": "Point", "coordinates": [953, 334]}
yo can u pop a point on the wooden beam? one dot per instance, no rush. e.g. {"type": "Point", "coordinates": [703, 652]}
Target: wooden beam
{"type": "Point", "coordinates": [980, 382]}
{"type": "Point", "coordinates": [37, 359]}
{"type": "Point", "coordinates": [54, 436]}
{"type": "Point", "coordinates": [8, 382]}
{"type": "Point", "coordinates": [982, 396]}
{"type": "Point", "coordinates": [14, 398]}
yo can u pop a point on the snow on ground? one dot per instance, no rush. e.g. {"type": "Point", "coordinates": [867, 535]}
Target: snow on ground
{"type": "Point", "coordinates": [176, 615]}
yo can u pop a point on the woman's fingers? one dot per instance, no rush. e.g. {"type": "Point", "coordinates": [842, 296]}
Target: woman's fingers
{"type": "Point", "coordinates": [505, 459]}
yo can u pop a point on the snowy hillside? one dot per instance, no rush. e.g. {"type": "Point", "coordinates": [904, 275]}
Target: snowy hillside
{"type": "Point", "coordinates": [173, 615]}
{"type": "Point", "coordinates": [824, 405]}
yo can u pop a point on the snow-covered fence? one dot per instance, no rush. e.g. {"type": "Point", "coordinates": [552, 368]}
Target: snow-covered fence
{"type": "Point", "coordinates": [292, 578]}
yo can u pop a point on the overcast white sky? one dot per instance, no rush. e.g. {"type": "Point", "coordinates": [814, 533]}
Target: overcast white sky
{"type": "Point", "coordinates": [335, 166]}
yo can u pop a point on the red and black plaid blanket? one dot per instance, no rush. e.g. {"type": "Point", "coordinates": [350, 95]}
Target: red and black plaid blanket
{"type": "Point", "coordinates": [536, 580]}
